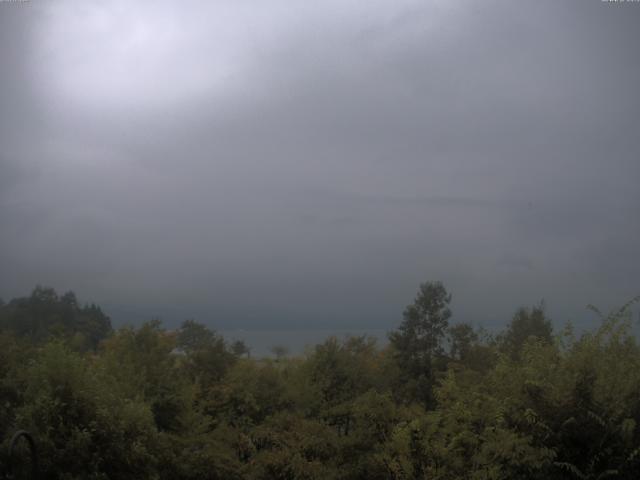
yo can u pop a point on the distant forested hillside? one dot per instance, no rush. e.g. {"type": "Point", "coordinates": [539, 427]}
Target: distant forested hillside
{"type": "Point", "coordinates": [46, 315]}
{"type": "Point", "coordinates": [442, 400]}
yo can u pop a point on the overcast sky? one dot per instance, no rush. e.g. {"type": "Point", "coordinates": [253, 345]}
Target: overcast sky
{"type": "Point", "coordinates": [270, 164]}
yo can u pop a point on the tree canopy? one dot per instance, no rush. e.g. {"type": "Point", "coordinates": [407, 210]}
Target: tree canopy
{"type": "Point", "coordinates": [417, 343]}
{"type": "Point", "coordinates": [438, 402]}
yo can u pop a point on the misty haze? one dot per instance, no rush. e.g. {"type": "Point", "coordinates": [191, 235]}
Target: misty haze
{"type": "Point", "coordinates": [337, 239]}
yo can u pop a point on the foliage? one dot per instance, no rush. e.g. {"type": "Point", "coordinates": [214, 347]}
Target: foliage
{"type": "Point", "coordinates": [417, 343]}
{"type": "Point", "coordinates": [45, 315]}
{"type": "Point", "coordinates": [439, 402]}
{"type": "Point", "coordinates": [526, 323]}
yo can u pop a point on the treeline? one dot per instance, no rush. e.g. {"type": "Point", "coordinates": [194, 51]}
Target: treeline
{"type": "Point", "coordinates": [441, 401]}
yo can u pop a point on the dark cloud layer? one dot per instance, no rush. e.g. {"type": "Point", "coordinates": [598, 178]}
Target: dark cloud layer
{"type": "Point", "coordinates": [275, 165]}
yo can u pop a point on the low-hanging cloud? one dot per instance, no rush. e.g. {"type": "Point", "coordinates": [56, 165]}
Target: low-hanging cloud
{"type": "Point", "coordinates": [267, 164]}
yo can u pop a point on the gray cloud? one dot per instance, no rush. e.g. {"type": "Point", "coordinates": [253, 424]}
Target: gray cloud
{"type": "Point", "coordinates": [292, 164]}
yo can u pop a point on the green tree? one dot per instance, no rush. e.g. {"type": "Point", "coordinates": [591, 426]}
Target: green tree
{"type": "Point", "coordinates": [280, 351]}
{"type": "Point", "coordinates": [462, 339]}
{"type": "Point", "coordinates": [207, 357]}
{"type": "Point", "coordinates": [144, 362]}
{"type": "Point", "coordinates": [194, 336]}
{"type": "Point", "coordinates": [526, 324]}
{"type": "Point", "coordinates": [44, 315]}
{"type": "Point", "coordinates": [84, 428]}
{"type": "Point", "coordinates": [417, 343]}
{"type": "Point", "coordinates": [290, 447]}
{"type": "Point", "coordinates": [240, 348]}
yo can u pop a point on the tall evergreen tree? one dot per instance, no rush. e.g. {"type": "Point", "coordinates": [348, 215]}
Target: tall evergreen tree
{"type": "Point", "coordinates": [418, 342]}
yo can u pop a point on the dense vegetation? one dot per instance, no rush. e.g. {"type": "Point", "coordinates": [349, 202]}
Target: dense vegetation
{"type": "Point", "coordinates": [441, 401]}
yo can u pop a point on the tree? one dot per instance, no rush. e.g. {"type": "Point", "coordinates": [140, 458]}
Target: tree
{"type": "Point", "coordinates": [418, 341]}
{"type": "Point", "coordinates": [44, 315]}
{"type": "Point", "coordinates": [142, 361]}
{"type": "Point", "coordinates": [280, 351]}
{"type": "Point", "coordinates": [83, 426]}
{"type": "Point", "coordinates": [239, 348]}
{"type": "Point", "coordinates": [525, 324]}
{"type": "Point", "coordinates": [194, 336]}
{"type": "Point", "coordinates": [462, 338]}
{"type": "Point", "coordinates": [207, 357]}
